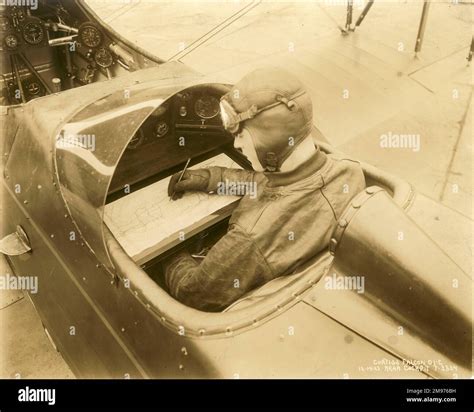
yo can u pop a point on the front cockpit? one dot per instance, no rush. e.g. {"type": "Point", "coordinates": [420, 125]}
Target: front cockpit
{"type": "Point", "coordinates": [115, 158]}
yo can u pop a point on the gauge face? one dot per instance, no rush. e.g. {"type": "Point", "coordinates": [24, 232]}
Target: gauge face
{"type": "Point", "coordinates": [103, 58]}
{"type": "Point", "coordinates": [161, 129]}
{"type": "Point", "coordinates": [207, 107]}
{"type": "Point", "coordinates": [183, 111]}
{"type": "Point", "coordinates": [33, 33]}
{"type": "Point", "coordinates": [90, 35]}
{"type": "Point", "coordinates": [33, 88]}
{"type": "Point", "coordinates": [11, 41]}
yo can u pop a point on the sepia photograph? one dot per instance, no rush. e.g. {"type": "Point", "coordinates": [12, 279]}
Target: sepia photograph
{"type": "Point", "coordinates": [236, 190]}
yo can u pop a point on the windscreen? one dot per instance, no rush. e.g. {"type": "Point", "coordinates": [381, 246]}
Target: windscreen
{"type": "Point", "coordinates": [90, 145]}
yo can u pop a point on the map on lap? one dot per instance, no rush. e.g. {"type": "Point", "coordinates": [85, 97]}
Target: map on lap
{"type": "Point", "coordinates": [147, 222]}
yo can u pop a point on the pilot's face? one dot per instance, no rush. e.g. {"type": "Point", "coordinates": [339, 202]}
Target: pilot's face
{"type": "Point", "coordinates": [243, 142]}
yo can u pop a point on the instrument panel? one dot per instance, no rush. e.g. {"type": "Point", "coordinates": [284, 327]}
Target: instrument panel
{"type": "Point", "coordinates": [50, 40]}
{"type": "Point", "coordinates": [196, 110]}
{"type": "Point", "coordinates": [187, 125]}
{"type": "Point", "coordinates": [21, 31]}
{"type": "Point", "coordinates": [198, 107]}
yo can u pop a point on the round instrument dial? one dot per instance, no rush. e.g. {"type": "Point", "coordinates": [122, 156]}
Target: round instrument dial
{"type": "Point", "coordinates": [90, 35]}
{"type": "Point", "coordinates": [33, 88]}
{"type": "Point", "coordinates": [161, 129]}
{"type": "Point", "coordinates": [33, 33]}
{"type": "Point", "coordinates": [103, 58]}
{"type": "Point", "coordinates": [207, 107]}
{"type": "Point", "coordinates": [11, 41]}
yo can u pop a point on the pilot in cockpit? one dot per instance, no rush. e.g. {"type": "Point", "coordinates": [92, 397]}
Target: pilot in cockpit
{"type": "Point", "coordinates": [301, 192]}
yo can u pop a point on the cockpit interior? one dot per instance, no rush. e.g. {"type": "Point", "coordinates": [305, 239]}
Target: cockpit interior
{"type": "Point", "coordinates": [55, 47]}
{"type": "Point", "coordinates": [186, 127]}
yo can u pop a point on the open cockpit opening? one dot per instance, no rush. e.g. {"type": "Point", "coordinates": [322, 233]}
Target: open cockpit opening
{"type": "Point", "coordinates": [184, 131]}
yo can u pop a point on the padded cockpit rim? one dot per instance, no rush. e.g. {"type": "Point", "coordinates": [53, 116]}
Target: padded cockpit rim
{"type": "Point", "coordinates": [195, 323]}
{"type": "Point", "coordinates": [347, 215]}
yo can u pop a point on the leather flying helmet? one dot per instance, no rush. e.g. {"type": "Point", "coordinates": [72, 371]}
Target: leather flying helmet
{"type": "Point", "coordinates": [274, 107]}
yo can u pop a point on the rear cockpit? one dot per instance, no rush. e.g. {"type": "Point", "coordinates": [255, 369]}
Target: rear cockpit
{"type": "Point", "coordinates": [138, 211]}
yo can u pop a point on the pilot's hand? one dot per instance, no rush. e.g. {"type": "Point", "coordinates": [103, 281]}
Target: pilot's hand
{"type": "Point", "coordinates": [196, 179]}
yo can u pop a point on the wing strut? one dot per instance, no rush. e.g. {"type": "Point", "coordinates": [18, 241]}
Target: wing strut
{"type": "Point", "coordinates": [350, 9]}
{"type": "Point", "coordinates": [364, 13]}
{"type": "Point", "coordinates": [349, 15]}
{"type": "Point", "coordinates": [421, 29]}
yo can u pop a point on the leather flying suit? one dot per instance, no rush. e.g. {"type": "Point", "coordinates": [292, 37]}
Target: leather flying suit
{"type": "Point", "coordinates": [289, 221]}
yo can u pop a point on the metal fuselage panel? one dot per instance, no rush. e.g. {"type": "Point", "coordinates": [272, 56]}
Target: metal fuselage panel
{"type": "Point", "coordinates": [415, 301]}
{"type": "Point", "coordinates": [116, 336]}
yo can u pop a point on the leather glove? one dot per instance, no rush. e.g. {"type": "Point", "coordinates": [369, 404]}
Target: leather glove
{"type": "Point", "coordinates": [196, 179]}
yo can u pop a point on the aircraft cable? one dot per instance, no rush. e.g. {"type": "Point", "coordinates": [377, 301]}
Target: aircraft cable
{"type": "Point", "coordinates": [212, 33]}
